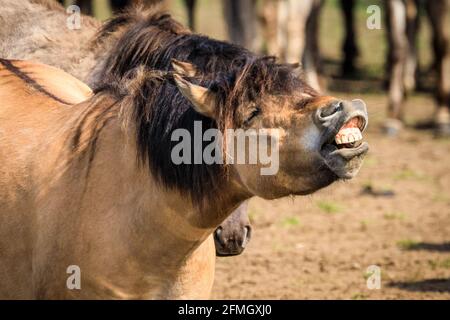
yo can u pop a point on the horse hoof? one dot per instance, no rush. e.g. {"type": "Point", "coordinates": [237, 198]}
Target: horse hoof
{"type": "Point", "coordinates": [442, 123]}
{"type": "Point", "coordinates": [442, 130]}
{"type": "Point", "coordinates": [392, 127]}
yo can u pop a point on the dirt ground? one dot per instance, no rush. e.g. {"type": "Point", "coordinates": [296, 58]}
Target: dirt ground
{"type": "Point", "coordinates": [395, 215]}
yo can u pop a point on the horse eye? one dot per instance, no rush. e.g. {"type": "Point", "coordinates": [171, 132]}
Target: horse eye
{"type": "Point", "coordinates": [254, 114]}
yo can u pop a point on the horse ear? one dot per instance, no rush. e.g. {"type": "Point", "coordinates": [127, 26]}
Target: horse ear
{"type": "Point", "coordinates": [202, 99]}
{"type": "Point", "coordinates": [296, 68]}
{"type": "Point", "coordinates": [185, 69]}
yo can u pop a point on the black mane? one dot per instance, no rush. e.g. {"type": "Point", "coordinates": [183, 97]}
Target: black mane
{"type": "Point", "coordinates": [149, 41]}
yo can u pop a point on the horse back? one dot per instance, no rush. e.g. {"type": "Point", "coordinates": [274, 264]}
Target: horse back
{"type": "Point", "coordinates": [28, 79]}
{"type": "Point", "coordinates": [35, 100]}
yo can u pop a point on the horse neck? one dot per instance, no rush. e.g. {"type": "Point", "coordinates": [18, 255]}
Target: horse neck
{"type": "Point", "coordinates": [127, 232]}
{"type": "Point", "coordinates": [183, 224]}
{"type": "Point", "coordinates": [159, 221]}
{"type": "Point", "coordinates": [175, 240]}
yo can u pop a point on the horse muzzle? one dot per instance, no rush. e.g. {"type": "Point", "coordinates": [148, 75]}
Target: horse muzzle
{"type": "Point", "coordinates": [343, 148]}
{"type": "Point", "coordinates": [231, 242]}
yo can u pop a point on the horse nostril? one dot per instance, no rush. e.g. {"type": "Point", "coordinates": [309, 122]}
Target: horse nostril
{"type": "Point", "coordinates": [332, 109]}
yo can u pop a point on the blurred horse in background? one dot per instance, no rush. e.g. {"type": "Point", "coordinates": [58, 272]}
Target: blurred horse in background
{"type": "Point", "coordinates": [289, 30]}
{"type": "Point", "coordinates": [402, 17]}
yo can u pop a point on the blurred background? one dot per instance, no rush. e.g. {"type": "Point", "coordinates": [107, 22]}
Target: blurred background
{"type": "Point", "coordinates": [396, 213]}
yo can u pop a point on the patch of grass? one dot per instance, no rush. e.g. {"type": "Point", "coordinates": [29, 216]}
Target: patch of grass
{"type": "Point", "coordinates": [407, 244]}
{"type": "Point", "coordinates": [394, 216]}
{"type": "Point", "coordinates": [252, 214]}
{"type": "Point", "coordinates": [368, 184]}
{"type": "Point", "coordinates": [370, 161]}
{"type": "Point", "coordinates": [359, 296]}
{"type": "Point", "coordinates": [278, 247]}
{"type": "Point", "coordinates": [408, 174]}
{"type": "Point", "coordinates": [367, 275]}
{"type": "Point", "coordinates": [445, 264]}
{"type": "Point", "coordinates": [386, 189]}
{"type": "Point", "coordinates": [442, 141]}
{"type": "Point", "coordinates": [364, 224]}
{"type": "Point", "coordinates": [290, 222]}
{"type": "Point", "coordinates": [434, 264]}
{"type": "Point", "coordinates": [329, 206]}
{"type": "Point", "coordinates": [441, 197]}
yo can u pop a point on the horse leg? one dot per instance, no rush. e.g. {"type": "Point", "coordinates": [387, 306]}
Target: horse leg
{"type": "Point", "coordinates": [398, 45]}
{"type": "Point", "coordinates": [349, 47]}
{"type": "Point", "coordinates": [118, 5]}
{"type": "Point", "coordinates": [190, 7]}
{"type": "Point", "coordinates": [311, 54]}
{"type": "Point", "coordinates": [412, 27]}
{"type": "Point", "coordinates": [269, 25]}
{"type": "Point", "coordinates": [438, 13]}
{"type": "Point", "coordinates": [241, 21]}
{"type": "Point", "coordinates": [85, 6]}
{"type": "Point", "coordinates": [283, 36]}
{"type": "Point", "coordinates": [297, 14]}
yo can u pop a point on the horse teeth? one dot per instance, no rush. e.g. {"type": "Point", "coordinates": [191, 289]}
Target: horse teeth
{"type": "Point", "coordinates": [344, 139]}
{"type": "Point", "coordinates": [348, 135]}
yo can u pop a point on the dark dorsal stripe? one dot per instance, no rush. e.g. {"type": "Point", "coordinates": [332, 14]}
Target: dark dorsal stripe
{"type": "Point", "coordinates": [8, 64]}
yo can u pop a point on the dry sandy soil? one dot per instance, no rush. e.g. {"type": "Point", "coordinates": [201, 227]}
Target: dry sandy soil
{"type": "Point", "coordinates": [395, 215]}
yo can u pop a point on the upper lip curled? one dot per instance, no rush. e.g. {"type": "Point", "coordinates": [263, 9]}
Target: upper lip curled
{"type": "Point", "coordinates": [330, 134]}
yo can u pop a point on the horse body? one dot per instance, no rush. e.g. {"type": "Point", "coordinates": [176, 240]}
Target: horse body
{"type": "Point", "coordinates": [103, 225]}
